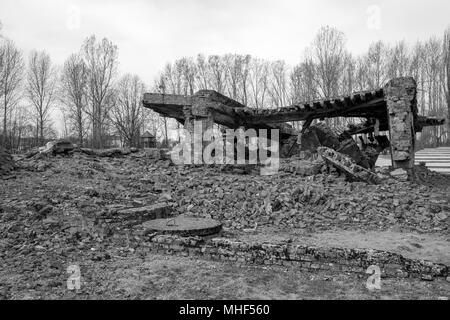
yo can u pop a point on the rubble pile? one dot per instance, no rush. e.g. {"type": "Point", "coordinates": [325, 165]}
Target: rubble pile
{"type": "Point", "coordinates": [301, 195]}
{"type": "Point", "coordinates": [79, 207]}
{"type": "Point", "coordinates": [317, 202]}
{"type": "Point", "coordinates": [425, 176]}
{"type": "Point", "coordinates": [302, 167]}
{"type": "Point", "coordinates": [314, 199]}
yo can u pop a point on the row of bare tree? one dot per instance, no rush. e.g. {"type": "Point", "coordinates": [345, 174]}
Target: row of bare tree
{"type": "Point", "coordinates": [96, 102]}
{"type": "Point", "coordinates": [328, 69]}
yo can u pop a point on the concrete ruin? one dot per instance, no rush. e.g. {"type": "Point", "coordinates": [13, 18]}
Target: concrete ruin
{"type": "Point", "coordinates": [392, 108]}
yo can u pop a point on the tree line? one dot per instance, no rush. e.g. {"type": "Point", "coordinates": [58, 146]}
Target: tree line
{"type": "Point", "coordinates": [327, 70]}
{"type": "Point", "coordinates": [96, 102]}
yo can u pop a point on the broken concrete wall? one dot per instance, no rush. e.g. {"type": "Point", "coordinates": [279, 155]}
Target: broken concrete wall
{"type": "Point", "coordinates": [302, 257]}
{"type": "Point", "coordinates": [198, 119]}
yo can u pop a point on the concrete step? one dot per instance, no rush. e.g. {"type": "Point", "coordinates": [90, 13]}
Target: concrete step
{"type": "Point", "coordinates": [436, 159]}
{"type": "Point", "coordinates": [433, 159]}
{"type": "Point", "coordinates": [436, 165]}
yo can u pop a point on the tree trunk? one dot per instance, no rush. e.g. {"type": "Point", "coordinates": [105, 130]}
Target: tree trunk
{"type": "Point", "coordinates": [4, 127]}
{"type": "Point", "coordinates": [448, 118]}
{"type": "Point", "coordinates": [165, 132]}
{"type": "Point", "coordinates": [41, 120]}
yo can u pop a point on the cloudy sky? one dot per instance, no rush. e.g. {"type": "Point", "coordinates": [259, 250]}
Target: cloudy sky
{"type": "Point", "coordinates": [150, 33]}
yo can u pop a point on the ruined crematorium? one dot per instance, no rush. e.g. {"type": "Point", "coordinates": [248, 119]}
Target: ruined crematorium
{"type": "Point", "coordinates": [391, 109]}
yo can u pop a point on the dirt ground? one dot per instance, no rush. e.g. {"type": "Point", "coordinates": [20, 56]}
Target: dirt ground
{"type": "Point", "coordinates": [49, 213]}
{"type": "Point", "coordinates": [171, 277]}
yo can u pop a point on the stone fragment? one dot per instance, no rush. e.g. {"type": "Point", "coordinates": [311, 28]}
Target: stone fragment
{"type": "Point", "coordinates": [442, 216]}
{"type": "Point", "coordinates": [399, 174]}
{"type": "Point", "coordinates": [427, 277]}
{"type": "Point", "coordinates": [57, 147]}
{"type": "Point", "coordinates": [140, 214]}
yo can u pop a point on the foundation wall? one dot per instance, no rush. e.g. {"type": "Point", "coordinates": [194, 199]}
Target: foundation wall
{"type": "Point", "coordinates": [306, 258]}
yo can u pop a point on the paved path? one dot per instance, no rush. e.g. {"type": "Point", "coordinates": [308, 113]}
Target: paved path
{"type": "Point", "coordinates": [436, 159]}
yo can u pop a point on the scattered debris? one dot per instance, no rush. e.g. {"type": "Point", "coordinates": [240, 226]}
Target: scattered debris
{"type": "Point", "coordinates": [399, 174]}
{"type": "Point", "coordinates": [427, 277]}
{"type": "Point", "coordinates": [301, 167]}
{"type": "Point", "coordinates": [57, 147]}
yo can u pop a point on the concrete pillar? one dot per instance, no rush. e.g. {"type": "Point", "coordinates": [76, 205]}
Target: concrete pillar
{"type": "Point", "coordinates": [198, 119]}
{"type": "Point", "coordinates": [400, 95]}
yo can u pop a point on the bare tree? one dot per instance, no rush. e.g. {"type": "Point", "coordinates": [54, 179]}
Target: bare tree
{"type": "Point", "coordinates": [19, 124]}
{"type": "Point", "coordinates": [302, 85]}
{"type": "Point", "coordinates": [362, 75]}
{"type": "Point", "coordinates": [127, 114]}
{"type": "Point", "coordinates": [446, 78]}
{"type": "Point", "coordinates": [398, 60]}
{"type": "Point", "coordinates": [278, 86]}
{"type": "Point", "coordinates": [100, 59]}
{"type": "Point", "coordinates": [233, 68]}
{"type": "Point", "coordinates": [237, 68]}
{"type": "Point", "coordinates": [258, 82]}
{"type": "Point", "coordinates": [41, 87]}
{"type": "Point", "coordinates": [347, 79]}
{"type": "Point", "coordinates": [218, 73]}
{"type": "Point", "coordinates": [11, 73]}
{"type": "Point", "coordinates": [376, 64]}
{"type": "Point", "coordinates": [203, 76]}
{"type": "Point", "coordinates": [245, 74]}
{"type": "Point", "coordinates": [328, 53]}
{"type": "Point", "coordinates": [74, 95]}
{"type": "Point", "coordinates": [189, 71]}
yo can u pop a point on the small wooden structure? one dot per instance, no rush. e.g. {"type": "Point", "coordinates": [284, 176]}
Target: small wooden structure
{"type": "Point", "coordinates": [148, 140]}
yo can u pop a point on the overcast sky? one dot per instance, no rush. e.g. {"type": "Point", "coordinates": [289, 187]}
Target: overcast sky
{"type": "Point", "coordinates": [150, 33]}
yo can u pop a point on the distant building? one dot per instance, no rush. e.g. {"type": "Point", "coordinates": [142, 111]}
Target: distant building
{"type": "Point", "coordinates": [112, 141]}
{"type": "Point", "coordinates": [148, 140]}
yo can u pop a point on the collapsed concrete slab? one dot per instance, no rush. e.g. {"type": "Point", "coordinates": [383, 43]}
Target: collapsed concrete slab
{"type": "Point", "coordinates": [184, 226]}
{"type": "Point", "coordinates": [392, 108]}
{"type": "Point", "coordinates": [345, 164]}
